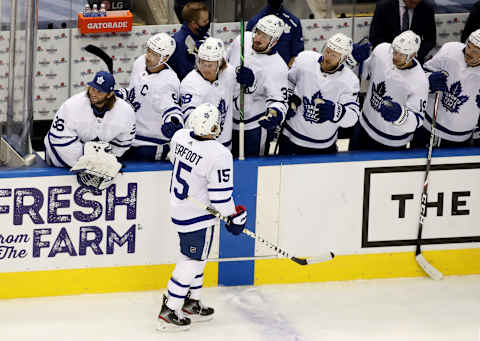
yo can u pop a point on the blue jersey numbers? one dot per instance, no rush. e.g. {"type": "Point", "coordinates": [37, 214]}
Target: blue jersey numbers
{"type": "Point", "coordinates": [178, 183]}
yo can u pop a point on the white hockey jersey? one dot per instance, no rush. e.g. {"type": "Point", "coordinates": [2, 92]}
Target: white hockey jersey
{"type": "Point", "coordinates": [196, 90]}
{"type": "Point", "coordinates": [308, 82]}
{"type": "Point", "coordinates": [407, 87]}
{"type": "Point", "coordinates": [75, 123]}
{"type": "Point", "coordinates": [458, 112]}
{"type": "Point", "coordinates": [157, 94]}
{"type": "Point", "coordinates": [270, 89]}
{"type": "Point", "coordinates": [202, 169]}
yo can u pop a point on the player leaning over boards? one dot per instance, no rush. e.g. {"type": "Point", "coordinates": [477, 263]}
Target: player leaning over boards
{"type": "Point", "coordinates": [202, 170]}
{"type": "Point", "coordinates": [397, 96]}
{"type": "Point", "coordinates": [153, 91]}
{"type": "Point", "coordinates": [212, 81]}
{"type": "Point", "coordinates": [90, 130]}
{"type": "Point", "coordinates": [455, 72]}
{"type": "Point", "coordinates": [326, 97]}
{"type": "Point", "coordinates": [265, 79]}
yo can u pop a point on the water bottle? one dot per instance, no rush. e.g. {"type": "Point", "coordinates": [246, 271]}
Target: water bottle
{"type": "Point", "coordinates": [103, 10]}
{"type": "Point", "coordinates": [95, 11]}
{"type": "Point", "coordinates": [86, 11]}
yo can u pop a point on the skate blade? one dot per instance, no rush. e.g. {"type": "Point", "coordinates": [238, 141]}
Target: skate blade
{"type": "Point", "coordinates": [165, 327]}
{"type": "Point", "coordinates": [199, 318]}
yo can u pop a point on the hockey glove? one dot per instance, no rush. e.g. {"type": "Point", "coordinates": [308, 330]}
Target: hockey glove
{"type": "Point", "coordinates": [236, 222]}
{"type": "Point", "coordinates": [272, 118]}
{"type": "Point", "coordinates": [121, 93]}
{"type": "Point", "coordinates": [393, 112]}
{"type": "Point", "coordinates": [169, 128]}
{"type": "Point", "coordinates": [329, 111]}
{"type": "Point", "coordinates": [293, 103]}
{"type": "Point", "coordinates": [129, 97]}
{"type": "Point", "coordinates": [361, 51]}
{"type": "Point", "coordinates": [438, 81]}
{"type": "Point", "coordinates": [96, 168]}
{"type": "Point", "coordinates": [245, 76]}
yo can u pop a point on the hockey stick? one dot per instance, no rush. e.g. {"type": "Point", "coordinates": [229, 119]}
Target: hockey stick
{"type": "Point", "coordinates": [422, 262]}
{"type": "Point", "coordinates": [96, 51]}
{"type": "Point", "coordinates": [302, 261]}
{"type": "Point", "coordinates": [241, 129]}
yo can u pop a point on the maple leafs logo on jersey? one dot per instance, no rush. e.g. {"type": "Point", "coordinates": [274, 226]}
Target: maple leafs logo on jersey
{"type": "Point", "coordinates": [378, 95]}
{"type": "Point", "coordinates": [452, 99]}
{"type": "Point", "coordinates": [310, 113]}
{"type": "Point", "coordinates": [222, 109]}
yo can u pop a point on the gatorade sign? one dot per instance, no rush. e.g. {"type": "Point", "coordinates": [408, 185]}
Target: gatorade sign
{"type": "Point", "coordinates": [115, 21]}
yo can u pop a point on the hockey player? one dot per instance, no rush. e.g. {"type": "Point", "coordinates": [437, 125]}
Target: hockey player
{"type": "Point", "coordinates": [455, 72]}
{"type": "Point", "coordinates": [396, 98]}
{"type": "Point", "coordinates": [153, 90]}
{"type": "Point", "coordinates": [202, 170]}
{"type": "Point", "coordinates": [266, 86]}
{"type": "Point", "coordinates": [326, 96]}
{"type": "Point", "coordinates": [94, 115]}
{"type": "Point", "coordinates": [212, 81]}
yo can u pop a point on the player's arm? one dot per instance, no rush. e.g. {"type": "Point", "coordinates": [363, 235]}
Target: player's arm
{"type": "Point", "coordinates": [165, 103]}
{"type": "Point", "coordinates": [123, 141]}
{"type": "Point", "coordinates": [220, 184]}
{"type": "Point", "coordinates": [62, 141]}
{"type": "Point", "coordinates": [435, 71]}
{"type": "Point", "coordinates": [190, 98]}
{"type": "Point", "coordinates": [276, 89]}
{"type": "Point", "coordinates": [350, 104]}
{"type": "Point", "coordinates": [232, 51]}
{"type": "Point", "coordinates": [408, 117]}
{"type": "Point", "coordinates": [220, 189]}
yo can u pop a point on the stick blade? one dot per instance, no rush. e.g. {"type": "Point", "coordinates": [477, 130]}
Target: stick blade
{"type": "Point", "coordinates": [97, 51]}
{"type": "Point", "coordinates": [313, 260]}
{"type": "Point", "coordinates": [428, 268]}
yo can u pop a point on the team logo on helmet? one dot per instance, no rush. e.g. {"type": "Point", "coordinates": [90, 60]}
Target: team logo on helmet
{"type": "Point", "coordinates": [378, 95]}
{"type": "Point", "coordinates": [452, 99]}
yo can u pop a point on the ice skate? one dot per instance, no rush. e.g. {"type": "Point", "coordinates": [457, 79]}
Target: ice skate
{"type": "Point", "coordinates": [170, 320]}
{"type": "Point", "coordinates": [196, 311]}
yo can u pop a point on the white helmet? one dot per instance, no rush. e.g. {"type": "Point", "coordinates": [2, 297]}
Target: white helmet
{"type": "Point", "coordinates": [342, 44]}
{"type": "Point", "coordinates": [205, 120]}
{"type": "Point", "coordinates": [407, 43]}
{"type": "Point", "coordinates": [162, 44]}
{"type": "Point", "coordinates": [474, 38]}
{"type": "Point", "coordinates": [272, 26]}
{"type": "Point", "coordinates": [211, 50]}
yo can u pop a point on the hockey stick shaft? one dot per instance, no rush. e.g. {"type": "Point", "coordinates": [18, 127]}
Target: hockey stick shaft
{"type": "Point", "coordinates": [97, 51]}
{"type": "Point", "coordinates": [427, 267]}
{"type": "Point", "coordinates": [302, 261]}
{"type": "Point", "coordinates": [241, 128]}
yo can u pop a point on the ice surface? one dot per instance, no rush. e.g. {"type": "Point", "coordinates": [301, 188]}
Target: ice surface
{"type": "Point", "coordinates": [395, 309]}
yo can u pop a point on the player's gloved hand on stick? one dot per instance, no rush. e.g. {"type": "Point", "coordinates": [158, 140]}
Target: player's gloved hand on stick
{"type": "Point", "coordinates": [245, 76]}
{"type": "Point", "coordinates": [361, 51]}
{"type": "Point", "coordinates": [236, 222]}
{"type": "Point", "coordinates": [272, 118]}
{"type": "Point", "coordinates": [329, 111]}
{"type": "Point", "coordinates": [293, 103]}
{"type": "Point", "coordinates": [169, 128]}
{"type": "Point", "coordinates": [438, 81]}
{"type": "Point", "coordinates": [392, 112]}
